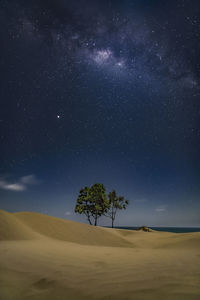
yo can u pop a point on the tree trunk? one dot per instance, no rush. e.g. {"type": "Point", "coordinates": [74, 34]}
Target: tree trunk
{"type": "Point", "coordinates": [113, 216]}
{"type": "Point", "coordinates": [95, 223]}
{"type": "Point", "coordinates": [89, 221]}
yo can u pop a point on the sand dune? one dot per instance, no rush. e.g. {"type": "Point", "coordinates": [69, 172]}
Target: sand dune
{"type": "Point", "coordinates": [70, 231]}
{"type": "Point", "coordinates": [11, 228]}
{"type": "Point", "coordinates": [42, 257]}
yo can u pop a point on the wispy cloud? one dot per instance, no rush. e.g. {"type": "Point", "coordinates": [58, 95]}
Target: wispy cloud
{"type": "Point", "coordinates": [68, 213]}
{"type": "Point", "coordinates": [161, 208]}
{"type": "Point", "coordinates": [18, 185]}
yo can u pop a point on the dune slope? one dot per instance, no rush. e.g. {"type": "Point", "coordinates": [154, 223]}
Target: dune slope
{"type": "Point", "coordinates": [11, 228]}
{"type": "Point", "coordinates": [70, 231]}
{"type": "Point", "coordinates": [42, 258]}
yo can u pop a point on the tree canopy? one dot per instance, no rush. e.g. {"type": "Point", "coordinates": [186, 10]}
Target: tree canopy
{"type": "Point", "coordinates": [115, 203]}
{"type": "Point", "coordinates": [94, 203]}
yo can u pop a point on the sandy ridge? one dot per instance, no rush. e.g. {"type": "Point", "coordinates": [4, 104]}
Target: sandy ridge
{"type": "Point", "coordinates": [46, 258]}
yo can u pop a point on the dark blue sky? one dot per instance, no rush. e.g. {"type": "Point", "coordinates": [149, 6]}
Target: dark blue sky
{"type": "Point", "coordinates": [101, 91]}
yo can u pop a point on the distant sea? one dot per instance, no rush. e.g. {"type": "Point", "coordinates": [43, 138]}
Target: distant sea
{"type": "Point", "coordinates": [168, 229]}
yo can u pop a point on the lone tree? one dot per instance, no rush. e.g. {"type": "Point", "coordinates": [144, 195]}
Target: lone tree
{"type": "Point", "coordinates": [92, 202]}
{"type": "Point", "coordinates": [100, 201]}
{"type": "Point", "coordinates": [84, 204]}
{"type": "Point", "coordinates": [115, 203]}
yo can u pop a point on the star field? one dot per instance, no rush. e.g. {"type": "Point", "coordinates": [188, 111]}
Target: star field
{"type": "Point", "coordinates": [101, 91]}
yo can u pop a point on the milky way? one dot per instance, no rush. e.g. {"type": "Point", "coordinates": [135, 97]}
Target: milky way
{"type": "Point", "coordinates": [150, 47]}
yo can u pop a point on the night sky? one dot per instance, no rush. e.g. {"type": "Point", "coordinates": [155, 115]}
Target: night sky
{"type": "Point", "coordinates": [101, 91]}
